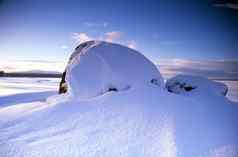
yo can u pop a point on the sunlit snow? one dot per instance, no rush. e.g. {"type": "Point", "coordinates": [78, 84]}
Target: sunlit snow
{"type": "Point", "coordinates": [143, 120]}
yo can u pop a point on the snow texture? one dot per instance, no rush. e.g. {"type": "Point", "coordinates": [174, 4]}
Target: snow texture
{"type": "Point", "coordinates": [144, 120]}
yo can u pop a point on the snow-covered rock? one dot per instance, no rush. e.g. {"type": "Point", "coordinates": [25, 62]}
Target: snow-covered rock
{"type": "Point", "coordinates": [97, 67]}
{"type": "Point", "coordinates": [182, 84]}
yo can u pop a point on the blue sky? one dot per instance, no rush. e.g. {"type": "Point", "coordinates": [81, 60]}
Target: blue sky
{"type": "Point", "coordinates": [160, 29]}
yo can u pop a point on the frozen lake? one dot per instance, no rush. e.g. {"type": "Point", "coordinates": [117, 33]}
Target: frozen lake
{"type": "Point", "coordinates": [10, 86]}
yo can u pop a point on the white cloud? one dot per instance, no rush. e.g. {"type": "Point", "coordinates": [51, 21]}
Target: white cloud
{"type": "Point", "coordinates": [113, 36]}
{"type": "Point", "coordinates": [81, 37]}
{"type": "Point", "coordinates": [131, 44]}
{"type": "Point", "coordinates": [93, 24]}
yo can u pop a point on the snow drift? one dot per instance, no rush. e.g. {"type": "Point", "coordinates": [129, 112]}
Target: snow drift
{"type": "Point", "coordinates": [143, 121]}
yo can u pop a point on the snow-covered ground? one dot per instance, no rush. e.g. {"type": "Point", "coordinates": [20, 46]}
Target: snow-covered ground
{"type": "Point", "coordinates": [22, 90]}
{"type": "Point", "coordinates": [11, 86]}
{"type": "Point", "coordinates": [141, 122]}
{"type": "Point", "coordinates": [106, 119]}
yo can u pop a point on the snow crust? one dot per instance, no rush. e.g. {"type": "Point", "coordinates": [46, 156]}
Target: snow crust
{"type": "Point", "coordinates": [144, 120]}
{"type": "Point", "coordinates": [96, 67]}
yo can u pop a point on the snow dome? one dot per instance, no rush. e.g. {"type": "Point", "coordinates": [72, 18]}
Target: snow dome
{"type": "Point", "coordinates": [98, 67]}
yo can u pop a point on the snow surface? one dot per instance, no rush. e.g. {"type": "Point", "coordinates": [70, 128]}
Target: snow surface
{"type": "Point", "coordinates": [17, 85]}
{"type": "Point", "coordinates": [144, 120]}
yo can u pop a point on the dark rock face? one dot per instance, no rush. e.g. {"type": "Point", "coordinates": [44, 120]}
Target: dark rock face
{"type": "Point", "coordinates": [63, 86]}
{"type": "Point", "coordinates": [155, 81]}
{"type": "Point", "coordinates": [225, 92]}
{"type": "Point", "coordinates": [182, 86]}
{"type": "Point", "coordinates": [1, 73]}
{"type": "Point", "coordinates": [113, 89]}
{"type": "Point", "coordinates": [189, 88]}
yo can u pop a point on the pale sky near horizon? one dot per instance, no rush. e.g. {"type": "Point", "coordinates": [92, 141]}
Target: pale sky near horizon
{"type": "Point", "coordinates": [47, 31]}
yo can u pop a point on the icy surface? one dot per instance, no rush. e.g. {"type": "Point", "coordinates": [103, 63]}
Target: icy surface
{"type": "Point", "coordinates": [142, 121]}
{"type": "Point", "coordinates": [97, 67]}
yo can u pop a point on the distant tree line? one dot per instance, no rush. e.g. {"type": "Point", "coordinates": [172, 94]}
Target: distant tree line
{"type": "Point", "coordinates": [24, 74]}
{"type": "Point", "coordinates": [1, 73]}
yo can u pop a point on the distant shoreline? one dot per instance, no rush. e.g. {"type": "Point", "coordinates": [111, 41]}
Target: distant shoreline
{"type": "Point", "coordinates": [20, 74]}
{"type": "Point", "coordinates": [220, 79]}
{"type": "Point", "coordinates": [59, 75]}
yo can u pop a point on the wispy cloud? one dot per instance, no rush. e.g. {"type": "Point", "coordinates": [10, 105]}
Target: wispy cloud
{"type": "Point", "coordinates": [93, 24]}
{"type": "Point", "coordinates": [36, 61]}
{"type": "Point", "coordinates": [230, 5]}
{"type": "Point", "coordinates": [81, 37]}
{"type": "Point", "coordinates": [108, 36]}
{"type": "Point", "coordinates": [131, 44]}
{"type": "Point", "coordinates": [113, 36]}
{"type": "Point", "coordinates": [32, 65]}
{"type": "Point", "coordinates": [216, 69]}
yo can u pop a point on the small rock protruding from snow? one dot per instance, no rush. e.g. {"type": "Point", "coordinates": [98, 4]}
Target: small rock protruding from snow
{"type": "Point", "coordinates": [184, 83]}
{"type": "Point", "coordinates": [97, 67]}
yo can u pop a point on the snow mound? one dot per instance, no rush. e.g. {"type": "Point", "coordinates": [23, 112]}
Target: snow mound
{"type": "Point", "coordinates": [97, 67]}
{"type": "Point", "coordinates": [182, 84]}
